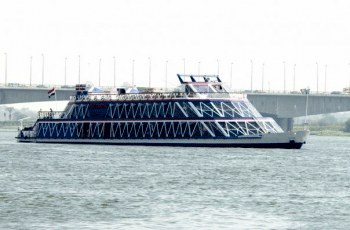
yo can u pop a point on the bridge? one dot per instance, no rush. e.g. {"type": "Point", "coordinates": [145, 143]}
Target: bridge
{"type": "Point", "coordinates": [13, 95]}
{"type": "Point", "coordinates": [282, 107]}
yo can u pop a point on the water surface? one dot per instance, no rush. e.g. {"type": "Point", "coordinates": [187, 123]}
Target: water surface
{"type": "Point", "coordinates": [49, 186]}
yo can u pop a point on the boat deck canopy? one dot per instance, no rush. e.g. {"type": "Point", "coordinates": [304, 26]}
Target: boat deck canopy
{"type": "Point", "coordinates": [198, 78]}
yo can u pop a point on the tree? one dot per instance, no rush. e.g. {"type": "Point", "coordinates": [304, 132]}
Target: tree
{"type": "Point", "coordinates": [9, 110]}
{"type": "Point", "coordinates": [23, 113]}
{"type": "Point", "coordinates": [347, 126]}
{"type": "Point", "coordinates": [327, 119]}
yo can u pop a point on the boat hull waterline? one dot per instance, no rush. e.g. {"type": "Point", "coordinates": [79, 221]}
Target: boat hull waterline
{"type": "Point", "coordinates": [288, 140]}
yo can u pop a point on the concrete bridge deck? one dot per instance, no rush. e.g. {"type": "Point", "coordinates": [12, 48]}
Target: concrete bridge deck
{"type": "Point", "coordinates": [282, 107]}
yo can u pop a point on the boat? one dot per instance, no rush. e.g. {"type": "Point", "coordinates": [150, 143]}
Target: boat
{"type": "Point", "coordinates": [202, 112]}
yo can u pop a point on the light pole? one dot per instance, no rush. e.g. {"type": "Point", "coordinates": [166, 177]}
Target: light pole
{"type": "Point", "coordinates": [317, 76]}
{"type": "Point", "coordinates": [30, 75]}
{"type": "Point", "coordinates": [5, 69]}
{"type": "Point", "coordinates": [199, 68]}
{"type": "Point", "coordinates": [349, 81]}
{"type": "Point", "coordinates": [166, 75]}
{"type": "Point", "coordinates": [231, 77]}
{"type": "Point", "coordinates": [184, 66]}
{"type": "Point", "coordinates": [251, 77]}
{"type": "Point", "coordinates": [42, 72]}
{"type": "Point", "coordinates": [114, 71]}
{"type": "Point", "coordinates": [132, 79]}
{"type": "Point", "coordinates": [99, 74]}
{"type": "Point", "coordinates": [325, 78]}
{"type": "Point", "coordinates": [294, 78]}
{"type": "Point", "coordinates": [262, 78]}
{"type": "Point", "coordinates": [218, 67]}
{"type": "Point", "coordinates": [65, 71]}
{"type": "Point", "coordinates": [284, 65]}
{"type": "Point", "coordinates": [79, 70]}
{"type": "Point", "coordinates": [149, 83]}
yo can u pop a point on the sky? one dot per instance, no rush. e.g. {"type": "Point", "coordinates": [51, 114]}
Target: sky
{"type": "Point", "coordinates": [151, 32]}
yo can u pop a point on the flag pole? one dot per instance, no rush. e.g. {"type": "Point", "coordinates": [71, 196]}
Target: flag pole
{"type": "Point", "coordinates": [56, 99]}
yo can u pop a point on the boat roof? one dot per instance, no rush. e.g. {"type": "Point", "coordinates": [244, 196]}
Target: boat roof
{"type": "Point", "coordinates": [198, 78]}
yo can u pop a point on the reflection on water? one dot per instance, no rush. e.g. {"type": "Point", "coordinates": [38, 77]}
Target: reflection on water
{"type": "Point", "coordinates": [97, 187]}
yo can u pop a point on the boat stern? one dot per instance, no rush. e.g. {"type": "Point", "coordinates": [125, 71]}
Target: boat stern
{"type": "Point", "coordinates": [26, 134]}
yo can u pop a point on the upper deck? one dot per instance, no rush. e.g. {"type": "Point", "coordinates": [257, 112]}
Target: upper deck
{"type": "Point", "coordinates": [199, 87]}
{"type": "Point", "coordinates": [157, 96]}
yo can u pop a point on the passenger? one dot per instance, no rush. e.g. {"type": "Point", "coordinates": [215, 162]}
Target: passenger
{"type": "Point", "coordinates": [51, 113]}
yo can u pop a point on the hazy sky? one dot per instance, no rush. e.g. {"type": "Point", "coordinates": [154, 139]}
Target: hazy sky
{"type": "Point", "coordinates": [297, 32]}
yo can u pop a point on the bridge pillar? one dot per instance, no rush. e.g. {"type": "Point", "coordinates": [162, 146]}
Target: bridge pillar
{"type": "Point", "coordinates": [285, 123]}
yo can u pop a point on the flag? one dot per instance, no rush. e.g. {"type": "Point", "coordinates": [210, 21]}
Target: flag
{"type": "Point", "coordinates": [51, 92]}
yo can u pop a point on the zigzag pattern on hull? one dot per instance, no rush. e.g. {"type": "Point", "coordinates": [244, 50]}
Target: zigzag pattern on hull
{"type": "Point", "coordinates": [166, 109]}
{"type": "Point", "coordinates": [156, 129]}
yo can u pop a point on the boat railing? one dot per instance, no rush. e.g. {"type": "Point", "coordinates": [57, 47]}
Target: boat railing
{"type": "Point", "coordinates": [155, 96]}
{"type": "Point", "coordinates": [47, 115]}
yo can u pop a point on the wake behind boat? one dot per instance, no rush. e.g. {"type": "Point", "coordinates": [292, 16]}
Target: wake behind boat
{"type": "Point", "coordinates": [203, 111]}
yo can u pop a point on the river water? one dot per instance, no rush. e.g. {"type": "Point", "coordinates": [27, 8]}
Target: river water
{"type": "Point", "coordinates": [49, 186]}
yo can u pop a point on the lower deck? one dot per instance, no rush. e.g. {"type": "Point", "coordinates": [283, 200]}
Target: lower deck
{"type": "Point", "coordinates": [287, 140]}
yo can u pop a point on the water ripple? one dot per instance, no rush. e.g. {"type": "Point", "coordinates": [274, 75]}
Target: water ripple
{"type": "Point", "coordinates": [122, 187]}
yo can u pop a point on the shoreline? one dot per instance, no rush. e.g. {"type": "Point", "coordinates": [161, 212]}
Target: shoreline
{"type": "Point", "coordinates": [327, 130]}
{"type": "Point", "coordinates": [7, 130]}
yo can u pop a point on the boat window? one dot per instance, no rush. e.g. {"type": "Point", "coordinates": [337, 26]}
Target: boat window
{"type": "Point", "coordinates": [227, 88]}
{"type": "Point", "coordinates": [203, 88]}
{"type": "Point", "coordinates": [252, 110]}
{"type": "Point", "coordinates": [188, 89]}
{"type": "Point", "coordinates": [219, 88]}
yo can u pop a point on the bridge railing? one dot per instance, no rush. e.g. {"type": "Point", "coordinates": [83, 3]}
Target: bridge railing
{"type": "Point", "coordinates": [237, 91]}
{"type": "Point", "coordinates": [154, 96]}
{"type": "Point", "coordinates": [36, 86]}
{"type": "Point", "coordinates": [61, 87]}
{"type": "Point", "coordinates": [282, 92]}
